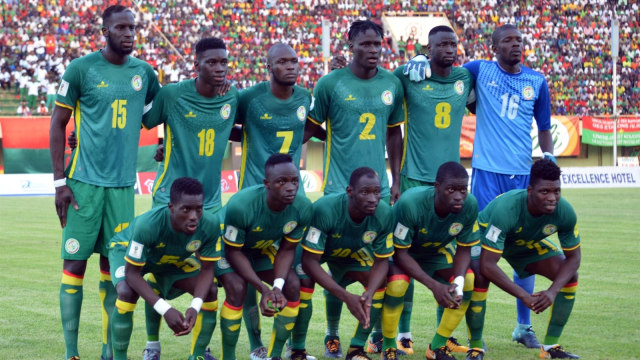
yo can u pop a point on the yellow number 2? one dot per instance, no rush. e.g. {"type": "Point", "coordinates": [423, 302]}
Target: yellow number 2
{"type": "Point", "coordinates": [370, 120]}
{"type": "Point", "coordinates": [119, 115]}
{"type": "Point", "coordinates": [286, 142]}
{"type": "Point", "coordinates": [443, 115]}
{"type": "Point", "coordinates": [207, 142]}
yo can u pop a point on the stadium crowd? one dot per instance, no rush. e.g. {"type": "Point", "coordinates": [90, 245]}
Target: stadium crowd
{"type": "Point", "coordinates": [568, 41]}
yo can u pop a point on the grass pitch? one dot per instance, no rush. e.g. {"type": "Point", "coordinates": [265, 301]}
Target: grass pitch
{"type": "Point", "coordinates": [603, 325]}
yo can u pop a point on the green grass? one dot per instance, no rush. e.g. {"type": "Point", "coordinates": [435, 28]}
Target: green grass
{"type": "Point", "coordinates": [604, 324]}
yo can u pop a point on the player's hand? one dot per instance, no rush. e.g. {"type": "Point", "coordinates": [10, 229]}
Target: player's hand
{"type": "Point", "coordinates": [395, 193]}
{"type": "Point", "coordinates": [189, 320]}
{"type": "Point", "coordinates": [542, 300]}
{"type": "Point", "coordinates": [64, 196]}
{"type": "Point", "coordinates": [72, 140]}
{"type": "Point", "coordinates": [222, 90]}
{"type": "Point", "coordinates": [271, 302]}
{"type": "Point", "coordinates": [159, 155]}
{"type": "Point", "coordinates": [357, 305]}
{"type": "Point", "coordinates": [446, 296]}
{"type": "Point", "coordinates": [176, 322]}
{"type": "Point", "coordinates": [549, 156]}
{"type": "Point", "coordinates": [337, 62]}
{"type": "Point", "coordinates": [418, 68]}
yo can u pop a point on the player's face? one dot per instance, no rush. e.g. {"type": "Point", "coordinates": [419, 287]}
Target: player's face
{"type": "Point", "coordinates": [120, 32]}
{"type": "Point", "coordinates": [366, 48]}
{"type": "Point", "coordinates": [365, 195]}
{"type": "Point", "coordinates": [186, 213]}
{"type": "Point", "coordinates": [212, 65]}
{"type": "Point", "coordinates": [544, 196]}
{"type": "Point", "coordinates": [443, 48]}
{"type": "Point", "coordinates": [282, 182]}
{"type": "Point", "coordinates": [509, 48]}
{"type": "Point", "coordinates": [284, 68]}
{"type": "Point", "coordinates": [452, 193]}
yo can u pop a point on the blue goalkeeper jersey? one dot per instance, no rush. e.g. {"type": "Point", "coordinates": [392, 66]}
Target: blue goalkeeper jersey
{"type": "Point", "coordinates": [506, 106]}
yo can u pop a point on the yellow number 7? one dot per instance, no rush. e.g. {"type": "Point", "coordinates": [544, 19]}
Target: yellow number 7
{"type": "Point", "coordinates": [286, 142]}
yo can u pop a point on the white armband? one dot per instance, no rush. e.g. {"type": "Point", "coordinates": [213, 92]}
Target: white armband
{"type": "Point", "coordinates": [59, 182]}
{"type": "Point", "coordinates": [161, 307]}
{"type": "Point", "coordinates": [278, 283]}
{"type": "Point", "coordinates": [196, 304]}
{"type": "Point", "coordinates": [459, 282]}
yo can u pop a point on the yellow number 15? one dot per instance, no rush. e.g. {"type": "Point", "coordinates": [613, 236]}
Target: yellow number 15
{"type": "Point", "coordinates": [119, 115]}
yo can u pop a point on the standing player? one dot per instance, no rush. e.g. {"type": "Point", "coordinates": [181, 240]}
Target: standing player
{"type": "Point", "coordinates": [162, 242]}
{"type": "Point", "coordinates": [351, 232]}
{"type": "Point", "coordinates": [107, 91]}
{"type": "Point", "coordinates": [263, 225]}
{"type": "Point", "coordinates": [516, 226]}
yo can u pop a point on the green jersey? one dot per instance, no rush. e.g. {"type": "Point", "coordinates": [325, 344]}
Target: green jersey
{"type": "Point", "coordinates": [251, 225]}
{"type": "Point", "coordinates": [357, 113]}
{"type": "Point", "coordinates": [509, 229]}
{"type": "Point", "coordinates": [340, 240]}
{"type": "Point", "coordinates": [423, 232]}
{"type": "Point", "coordinates": [152, 242]}
{"type": "Point", "coordinates": [196, 132]}
{"type": "Point", "coordinates": [269, 126]}
{"type": "Point", "coordinates": [433, 121]}
{"type": "Point", "coordinates": [108, 102]}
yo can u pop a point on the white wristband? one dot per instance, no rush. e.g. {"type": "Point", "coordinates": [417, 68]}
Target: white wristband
{"type": "Point", "coordinates": [59, 182]}
{"type": "Point", "coordinates": [459, 282]}
{"type": "Point", "coordinates": [278, 283]}
{"type": "Point", "coordinates": [196, 304]}
{"type": "Point", "coordinates": [161, 307]}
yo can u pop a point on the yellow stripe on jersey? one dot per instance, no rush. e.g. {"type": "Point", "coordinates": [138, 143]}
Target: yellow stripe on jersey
{"type": "Point", "coordinates": [313, 121]}
{"type": "Point", "coordinates": [64, 105]}
{"type": "Point", "coordinates": [470, 244]}
{"type": "Point", "coordinates": [243, 163]}
{"type": "Point", "coordinates": [206, 258]}
{"type": "Point", "coordinates": [571, 248]}
{"type": "Point", "coordinates": [382, 256]}
{"type": "Point", "coordinates": [167, 158]}
{"type": "Point", "coordinates": [492, 249]}
{"type": "Point", "coordinates": [76, 116]}
{"type": "Point", "coordinates": [401, 246]}
{"type": "Point", "coordinates": [314, 251]}
{"type": "Point", "coordinates": [136, 263]}
{"type": "Point", "coordinates": [289, 239]}
{"type": "Point", "coordinates": [231, 243]}
{"type": "Point", "coordinates": [328, 156]}
{"type": "Point", "coordinates": [406, 133]}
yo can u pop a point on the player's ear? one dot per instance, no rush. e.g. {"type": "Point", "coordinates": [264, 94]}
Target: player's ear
{"type": "Point", "coordinates": [265, 182]}
{"type": "Point", "coordinates": [105, 30]}
{"type": "Point", "coordinates": [349, 190]}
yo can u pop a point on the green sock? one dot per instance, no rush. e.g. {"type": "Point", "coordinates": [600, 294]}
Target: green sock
{"type": "Point", "coordinates": [333, 311]}
{"type": "Point", "coordinates": [203, 329]}
{"type": "Point", "coordinates": [70, 305]}
{"type": "Point", "coordinates": [405, 319]}
{"type": "Point", "coordinates": [560, 312]}
{"type": "Point", "coordinates": [230, 322]}
{"type": "Point", "coordinates": [376, 333]}
{"type": "Point", "coordinates": [121, 328]}
{"type": "Point", "coordinates": [359, 339]}
{"type": "Point", "coordinates": [397, 285]}
{"type": "Point", "coordinates": [475, 317]}
{"type": "Point", "coordinates": [152, 319]}
{"type": "Point", "coordinates": [299, 332]}
{"type": "Point", "coordinates": [439, 311]}
{"type": "Point", "coordinates": [251, 317]}
{"type": "Point", "coordinates": [283, 323]}
{"type": "Point", "coordinates": [108, 296]}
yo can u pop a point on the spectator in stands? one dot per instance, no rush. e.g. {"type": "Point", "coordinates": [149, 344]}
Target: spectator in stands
{"type": "Point", "coordinates": [23, 109]}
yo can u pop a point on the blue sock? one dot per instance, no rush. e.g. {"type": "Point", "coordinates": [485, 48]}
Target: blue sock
{"type": "Point", "coordinates": [524, 314]}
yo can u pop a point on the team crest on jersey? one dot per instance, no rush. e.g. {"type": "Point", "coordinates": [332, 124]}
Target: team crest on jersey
{"type": "Point", "coordinates": [387, 97]}
{"type": "Point", "coordinates": [288, 227]}
{"type": "Point", "coordinates": [369, 236]}
{"type": "Point", "coordinates": [223, 263]}
{"type": "Point", "coordinates": [136, 83]}
{"type": "Point", "coordinates": [549, 229]}
{"type": "Point", "coordinates": [71, 246]}
{"type": "Point", "coordinates": [120, 272]}
{"type": "Point", "coordinates": [455, 229]}
{"type": "Point", "coordinates": [527, 93]}
{"type": "Point", "coordinates": [459, 87]}
{"type": "Point", "coordinates": [302, 113]}
{"type": "Point", "coordinates": [225, 111]}
{"type": "Point", "coordinates": [193, 245]}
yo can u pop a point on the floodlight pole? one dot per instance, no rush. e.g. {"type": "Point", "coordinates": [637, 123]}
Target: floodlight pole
{"type": "Point", "coordinates": [615, 28]}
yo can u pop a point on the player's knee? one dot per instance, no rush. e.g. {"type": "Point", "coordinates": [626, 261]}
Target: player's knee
{"type": "Point", "coordinates": [397, 285]}
{"type": "Point", "coordinates": [235, 291]}
{"type": "Point", "coordinates": [212, 295]}
{"type": "Point", "coordinates": [307, 283]}
{"type": "Point", "coordinates": [291, 288]}
{"type": "Point", "coordinates": [126, 293]}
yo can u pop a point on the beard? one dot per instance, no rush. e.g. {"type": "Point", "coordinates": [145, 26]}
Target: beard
{"type": "Point", "coordinates": [117, 48]}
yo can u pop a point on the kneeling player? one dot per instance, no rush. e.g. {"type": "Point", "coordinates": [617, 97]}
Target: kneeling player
{"type": "Point", "coordinates": [351, 232]}
{"type": "Point", "coordinates": [162, 242]}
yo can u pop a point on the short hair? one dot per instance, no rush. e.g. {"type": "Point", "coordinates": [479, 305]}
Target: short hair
{"type": "Point", "coordinates": [360, 26]}
{"type": "Point", "coordinates": [209, 43]}
{"type": "Point", "coordinates": [359, 173]}
{"type": "Point", "coordinates": [451, 170]}
{"type": "Point", "coordinates": [275, 47]}
{"type": "Point", "coordinates": [184, 186]}
{"type": "Point", "coordinates": [544, 169]}
{"type": "Point", "coordinates": [113, 9]}
{"type": "Point", "coordinates": [497, 33]}
{"type": "Point", "coordinates": [440, 28]}
{"type": "Point", "coordinates": [275, 159]}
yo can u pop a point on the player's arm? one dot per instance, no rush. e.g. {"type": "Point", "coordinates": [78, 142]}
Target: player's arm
{"type": "Point", "coordinates": [64, 195]}
{"type": "Point", "coordinates": [281, 267]}
{"type": "Point", "coordinates": [567, 271]}
{"type": "Point", "coordinates": [542, 114]}
{"type": "Point", "coordinates": [394, 149]}
{"type": "Point", "coordinates": [203, 285]}
{"type": "Point", "coordinates": [492, 272]}
{"type": "Point", "coordinates": [312, 129]}
{"type": "Point", "coordinates": [236, 133]}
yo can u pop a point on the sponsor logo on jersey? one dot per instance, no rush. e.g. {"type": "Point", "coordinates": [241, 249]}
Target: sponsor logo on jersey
{"type": "Point", "coordinates": [161, 245]}
{"type": "Point", "coordinates": [231, 233]}
{"type": "Point", "coordinates": [459, 87]}
{"type": "Point", "coordinates": [519, 229]}
{"type": "Point", "coordinates": [492, 83]}
{"type": "Point", "coordinates": [424, 231]}
{"type": "Point", "coordinates": [190, 114]}
{"type": "Point", "coordinates": [223, 263]}
{"type": "Point", "coordinates": [288, 227]}
{"type": "Point", "coordinates": [369, 236]}
{"type": "Point", "coordinates": [257, 229]}
{"type": "Point", "coordinates": [336, 235]}
{"type": "Point", "coordinates": [493, 233]}
{"type": "Point", "coordinates": [455, 229]}
{"type": "Point", "coordinates": [349, 98]}
{"type": "Point", "coordinates": [575, 231]}
{"type": "Point", "coordinates": [71, 246]}
{"type": "Point", "coordinates": [63, 88]}
{"type": "Point", "coordinates": [527, 93]}
{"type": "Point", "coordinates": [549, 229]}
{"type": "Point", "coordinates": [313, 235]}
{"type": "Point", "coordinates": [102, 85]}
{"type": "Point", "coordinates": [120, 272]}
{"type": "Point", "coordinates": [193, 245]}
{"type": "Point", "coordinates": [136, 83]}
{"type": "Point", "coordinates": [387, 97]}
{"type": "Point", "coordinates": [427, 88]}
{"type": "Point", "coordinates": [302, 113]}
{"type": "Point", "coordinates": [135, 249]}
{"type": "Point", "coordinates": [225, 111]}
{"type": "Point", "coordinates": [265, 117]}
{"type": "Point", "coordinates": [401, 231]}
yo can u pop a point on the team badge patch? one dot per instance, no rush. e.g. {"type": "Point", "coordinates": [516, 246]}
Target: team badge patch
{"type": "Point", "coordinates": [64, 87]}
{"type": "Point", "coordinates": [459, 87]}
{"type": "Point", "coordinates": [193, 245]}
{"type": "Point", "coordinates": [527, 93]}
{"type": "Point", "coordinates": [288, 227]}
{"type": "Point", "coordinates": [401, 231]}
{"type": "Point", "coordinates": [71, 246]}
{"type": "Point", "coordinates": [223, 263]}
{"type": "Point", "coordinates": [313, 235]}
{"type": "Point", "coordinates": [455, 229]}
{"type": "Point", "coordinates": [475, 250]}
{"type": "Point", "coordinates": [302, 113]}
{"type": "Point", "coordinates": [225, 111]}
{"type": "Point", "coordinates": [120, 272]}
{"type": "Point", "coordinates": [136, 83]}
{"type": "Point", "coordinates": [493, 233]}
{"type": "Point", "coordinates": [369, 236]}
{"type": "Point", "coordinates": [549, 229]}
{"type": "Point", "coordinates": [135, 250]}
{"type": "Point", "coordinates": [231, 233]}
{"type": "Point", "coordinates": [387, 97]}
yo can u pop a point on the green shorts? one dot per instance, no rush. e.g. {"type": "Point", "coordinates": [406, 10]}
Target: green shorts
{"type": "Point", "coordinates": [258, 263]}
{"type": "Point", "coordinates": [523, 255]}
{"type": "Point", "coordinates": [103, 211]}
{"type": "Point", "coordinates": [297, 263]}
{"type": "Point", "coordinates": [339, 270]}
{"type": "Point", "coordinates": [438, 262]}
{"type": "Point", "coordinates": [408, 183]}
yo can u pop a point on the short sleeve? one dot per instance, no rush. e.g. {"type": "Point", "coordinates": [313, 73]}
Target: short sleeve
{"type": "Point", "coordinates": [568, 233]}
{"type": "Point", "coordinates": [305, 213]}
{"type": "Point", "coordinates": [236, 222]}
{"type": "Point", "coordinates": [466, 236]}
{"type": "Point", "coordinates": [320, 226]}
{"type": "Point", "coordinates": [140, 243]}
{"type": "Point", "coordinates": [542, 107]}
{"type": "Point", "coordinates": [403, 229]}
{"type": "Point", "coordinates": [157, 112]}
{"type": "Point", "coordinates": [69, 90]}
{"type": "Point", "coordinates": [383, 244]}
{"type": "Point", "coordinates": [320, 102]}
{"type": "Point", "coordinates": [212, 248]}
{"type": "Point", "coordinates": [153, 86]}
{"type": "Point", "coordinates": [474, 68]}
{"type": "Point", "coordinates": [397, 115]}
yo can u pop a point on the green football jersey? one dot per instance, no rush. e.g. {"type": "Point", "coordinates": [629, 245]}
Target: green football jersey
{"type": "Point", "coordinates": [152, 242]}
{"type": "Point", "coordinates": [250, 224]}
{"type": "Point", "coordinates": [108, 102]}
{"type": "Point", "coordinates": [507, 227]}
{"type": "Point", "coordinates": [196, 132]}
{"type": "Point", "coordinates": [420, 229]}
{"type": "Point", "coordinates": [357, 113]}
{"type": "Point", "coordinates": [435, 108]}
{"type": "Point", "coordinates": [269, 126]}
{"type": "Point", "coordinates": [333, 234]}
